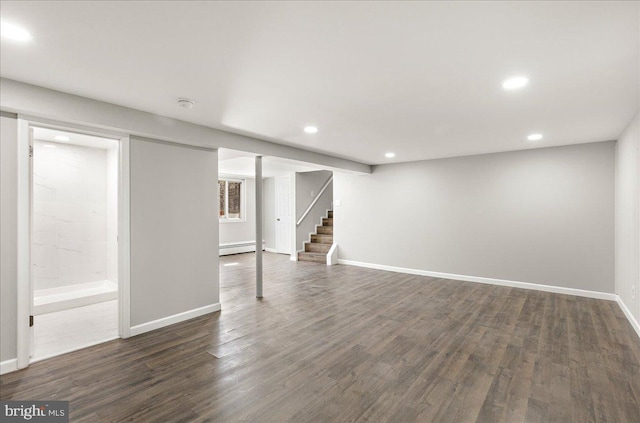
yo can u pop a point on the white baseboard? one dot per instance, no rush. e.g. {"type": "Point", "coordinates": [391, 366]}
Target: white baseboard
{"type": "Point", "coordinates": [8, 366]}
{"type": "Point", "coordinates": [270, 250]}
{"type": "Point", "coordinates": [490, 281]}
{"type": "Point", "coordinates": [176, 318]}
{"type": "Point", "coordinates": [627, 312]}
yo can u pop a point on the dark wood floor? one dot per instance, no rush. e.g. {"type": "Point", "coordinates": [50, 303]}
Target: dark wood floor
{"type": "Point", "coordinates": [341, 343]}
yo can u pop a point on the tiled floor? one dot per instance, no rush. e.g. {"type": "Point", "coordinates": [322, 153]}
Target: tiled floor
{"type": "Point", "coordinates": [68, 330]}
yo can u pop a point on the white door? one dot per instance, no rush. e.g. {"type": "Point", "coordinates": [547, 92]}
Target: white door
{"type": "Point", "coordinates": [283, 214]}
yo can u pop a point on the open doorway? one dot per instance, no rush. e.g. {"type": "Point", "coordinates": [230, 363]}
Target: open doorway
{"type": "Point", "coordinates": [73, 241]}
{"type": "Point", "coordinates": [237, 232]}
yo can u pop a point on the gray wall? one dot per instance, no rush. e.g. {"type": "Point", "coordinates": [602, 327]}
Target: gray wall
{"type": "Point", "coordinates": [541, 216]}
{"type": "Point", "coordinates": [174, 230]}
{"type": "Point", "coordinates": [8, 236]}
{"type": "Point", "coordinates": [269, 212]}
{"type": "Point", "coordinates": [627, 217]}
{"type": "Point", "coordinates": [242, 231]}
{"type": "Point", "coordinates": [308, 185]}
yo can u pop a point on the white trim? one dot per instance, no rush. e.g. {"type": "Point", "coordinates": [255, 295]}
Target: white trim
{"type": "Point", "coordinates": [24, 297]}
{"type": "Point", "coordinates": [243, 198]}
{"type": "Point", "coordinates": [124, 238]}
{"type": "Point", "coordinates": [8, 366]}
{"type": "Point", "coordinates": [634, 323]}
{"type": "Point", "coordinates": [490, 281]}
{"type": "Point", "coordinates": [332, 255]}
{"type": "Point", "coordinates": [23, 229]}
{"type": "Point", "coordinates": [176, 318]}
{"type": "Point", "coordinates": [270, 250]}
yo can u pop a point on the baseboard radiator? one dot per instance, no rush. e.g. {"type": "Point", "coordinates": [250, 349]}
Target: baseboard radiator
{"type": "Point", "coordinates": [239, 247]}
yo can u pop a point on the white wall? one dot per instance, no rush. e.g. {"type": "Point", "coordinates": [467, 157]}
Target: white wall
{"type": "Point", "coordinates": [69, 244]}
{"type": "Point", "coordinates": [8, 235]}
{"type": "Point", "coordinates": [238, 232]}
{"type": "Point", "coordinates": [174, 230]}
{"type": "Point", "coordinates": [627, 228]}
{"type": "Point", "coordinates": [541, 216]}
{"type": "Point", "coordinates": [307, 186]}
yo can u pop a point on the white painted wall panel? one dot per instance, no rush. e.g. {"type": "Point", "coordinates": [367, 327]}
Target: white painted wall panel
{"type": "Point", "coordinates": [627, 217]}
{"type": "Point", "coordinates": [174, 230]}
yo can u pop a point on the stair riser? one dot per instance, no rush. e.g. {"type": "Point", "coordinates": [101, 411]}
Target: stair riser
{"type": "Point", "coordinates": [322, 239]}
{"type": "Point", "coordinates": [331, 214]}
{"type": "Point", "coordinates": [324, 230]}
{"type": "Point", "coordinates": [312, 259]}
{"type": "Point", "coordinates": [327, 221]}
{"type": "Point", "coordinates": [316, 248]}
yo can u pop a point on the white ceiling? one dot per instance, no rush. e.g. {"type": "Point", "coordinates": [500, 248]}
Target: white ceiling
{"type": "Point", "coordinates": [422, 79]}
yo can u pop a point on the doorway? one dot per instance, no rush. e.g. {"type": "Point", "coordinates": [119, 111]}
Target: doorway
{"type": "Point", "coordinates": [74, 259]}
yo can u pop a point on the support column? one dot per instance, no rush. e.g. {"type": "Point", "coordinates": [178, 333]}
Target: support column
{"type": "Point", "coordinates": [258, 226]}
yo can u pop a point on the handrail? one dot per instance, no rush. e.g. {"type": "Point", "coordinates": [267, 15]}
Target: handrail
{"type": "Point", "coordinates": [315, 200]}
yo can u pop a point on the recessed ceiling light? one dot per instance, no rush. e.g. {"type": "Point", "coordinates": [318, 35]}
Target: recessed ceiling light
{"type": "Point", "coordinates": [13, 32]}
{"type": "Point", "coordinates": [61, 138]}
{"type": "Point", "coordinates": [390, 155]}
{"type": "Point", "coordinates": [231, 264]}
{"type": "Point", "coordinates": [534, 137]}
{"type": "Point", "coordinates": [515, 83]}
{"type": "Point", "coordinates": [49, 146]}
{"type": "Point", "coordinates": [185, 103]}
{"type": "Point", "coordinates": [310, 129]}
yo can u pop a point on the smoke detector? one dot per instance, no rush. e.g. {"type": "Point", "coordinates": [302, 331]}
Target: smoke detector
{"type": "Point", "coordinates": [185, 103]}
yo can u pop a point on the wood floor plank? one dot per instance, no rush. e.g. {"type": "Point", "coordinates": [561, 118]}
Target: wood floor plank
{"type": "Point", "coordinates": [346, 344]}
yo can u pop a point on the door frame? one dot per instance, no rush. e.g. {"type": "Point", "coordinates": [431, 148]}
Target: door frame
{"type": "Point", "coordinates": [24, 297]}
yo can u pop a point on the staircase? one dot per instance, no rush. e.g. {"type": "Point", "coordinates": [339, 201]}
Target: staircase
{"type": "Point", "coordinates": [316, 250]}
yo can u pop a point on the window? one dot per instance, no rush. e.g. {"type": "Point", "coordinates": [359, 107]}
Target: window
{"type": "Point", "coordinates": [231, 199]}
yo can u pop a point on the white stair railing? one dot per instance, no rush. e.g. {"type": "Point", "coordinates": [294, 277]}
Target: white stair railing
{"type": "Point", "coordinates": [315, 200]}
